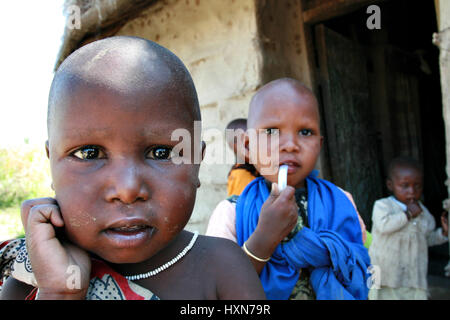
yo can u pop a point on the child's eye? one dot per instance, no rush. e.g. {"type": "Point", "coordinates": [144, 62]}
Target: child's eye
{"type": "Point", "coordinates": [160, 153]}
{"type": "Point", "coordinates": [89, 153]}
{"type": "Point", "coordinates": [272, 131]}
{"type": "Point", "coordinates": [305, 132]}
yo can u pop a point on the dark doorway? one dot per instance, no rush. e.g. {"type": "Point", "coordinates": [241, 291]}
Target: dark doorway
{"type": "Point", "coordinates": [402, 114]}
{"type": "Point", "coordinates": [347, 117]}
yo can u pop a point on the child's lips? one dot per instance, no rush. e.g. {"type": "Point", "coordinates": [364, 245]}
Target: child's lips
{"type": "Point", "coordinates": [292, 166]}
{"type": "Point", "coordinates": [128, 237]}
{"type": "Point", "coordinates": [129, 232]}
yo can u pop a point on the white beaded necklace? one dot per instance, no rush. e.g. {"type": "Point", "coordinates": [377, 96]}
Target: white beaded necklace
{"type": "Point", "coordinates": [167, 264]}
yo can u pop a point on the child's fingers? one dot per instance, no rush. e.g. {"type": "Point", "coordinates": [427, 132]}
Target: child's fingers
{"type": "Point", "coordinates": [28, 204]}
{"type": "Point", "coordinates": [42, 219]}
{"type": "Point", "coordinates": [287, 194]}
{"type": "Point", "coordinates": [274, 193]}
{"type": "Point", "coordinates": [275, 190]}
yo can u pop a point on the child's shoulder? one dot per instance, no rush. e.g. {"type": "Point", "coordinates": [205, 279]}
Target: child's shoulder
{"type": "Point", "coordinates": [232, 199]}
{"type": "Point", "coordinates": [385, 200]}
{"type": "Point", "coordinates": [217, 248]}
{"type": "Point", "coordinates": [233, 272]}
{"type": "Point", "coordinates": [388, 204]}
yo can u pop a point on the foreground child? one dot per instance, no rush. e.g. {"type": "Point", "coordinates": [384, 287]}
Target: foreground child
{"type": "Point", "coordinates": [305, 242]}
{"type": "Point", "coordinates": [402, 230]}
{"type": "Point", "coordinates": [115, 227]}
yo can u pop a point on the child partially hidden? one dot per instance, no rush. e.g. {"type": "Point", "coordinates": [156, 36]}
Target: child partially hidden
{"type": "Point", "coordinates": [403, 228]}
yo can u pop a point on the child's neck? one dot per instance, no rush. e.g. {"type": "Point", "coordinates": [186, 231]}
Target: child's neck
{"type": "Point", "coordinates": [163, 256]}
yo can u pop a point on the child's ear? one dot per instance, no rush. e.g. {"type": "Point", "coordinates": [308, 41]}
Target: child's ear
{"type": "Point", "coordinates": [47, 150]}
{"type": "Point", "coordinates": [203, 157]}
{"type": "Point", "coordinates": [203, 149]}
{"type": "Point", "coordinates": [246, 150]}
{"type": "Point", "coordinates": [321, 141]}
{"type": "Point", "coordinates": [389, 185]}
{"type": "Point", "coordinates": [240, 149]}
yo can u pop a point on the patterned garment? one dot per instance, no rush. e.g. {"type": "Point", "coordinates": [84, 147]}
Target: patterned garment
{"type": "Point", "coordinates": [105, 283]}
{"type": "Point", "coordinates": [302, 289]}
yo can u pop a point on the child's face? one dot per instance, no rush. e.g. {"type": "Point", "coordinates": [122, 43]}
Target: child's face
{"type": "Point", "coordinates": [234, 142]}
{"type": "Point", "coordinates": [120, 195]}
{"type": "Point", "coordinates": [294, 117]}
{"type": "Point", "coordinates": [406, 184]}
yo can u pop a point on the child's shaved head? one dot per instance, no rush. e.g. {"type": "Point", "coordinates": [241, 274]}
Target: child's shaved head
{"type": "Point", "coordinates": [284, 117]}
{"type": "Point", "coordinates": [113, 108]}
{"type": "Point", "coordinates": [126, 65]}
{"type": "Point", "coordinates": [278, 89]}
{"type": "Point", "coordinates": [403, 162]}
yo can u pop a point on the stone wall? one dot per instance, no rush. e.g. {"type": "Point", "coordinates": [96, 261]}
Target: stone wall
{"type": "Point", "coordinates": [218, 42]}
{"type": "Point", "coordinates": [442, 40]}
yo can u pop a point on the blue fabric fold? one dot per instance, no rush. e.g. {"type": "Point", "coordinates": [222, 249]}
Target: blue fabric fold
{"type": "Point", "coordinates": [331, 247]}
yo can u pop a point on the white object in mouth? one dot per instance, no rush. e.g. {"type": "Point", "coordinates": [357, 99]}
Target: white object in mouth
{"type": "Point", "coordinates": [282, 177]}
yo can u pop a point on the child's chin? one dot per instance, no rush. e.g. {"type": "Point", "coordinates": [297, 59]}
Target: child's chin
{"type": "Point", "coordinates": [296, 182]}
{"type": "Point", "coordinates": [122, 259]}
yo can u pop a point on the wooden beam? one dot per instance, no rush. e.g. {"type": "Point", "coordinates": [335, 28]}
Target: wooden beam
{"type": "Point", "coordinates": [333, 9]}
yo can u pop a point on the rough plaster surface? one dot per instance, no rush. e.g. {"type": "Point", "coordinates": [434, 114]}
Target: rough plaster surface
{"type": "Point", "coordinates": [218, 42]}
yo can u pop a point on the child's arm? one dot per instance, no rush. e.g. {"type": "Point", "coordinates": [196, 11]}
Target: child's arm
{"type": "Point", "coordinates": [13, 289]}
{"type": "Point", "coordinates": [361, 221]}
{"type": "Point", "coordinates": [385, 220]}
{"type": "Point", "coordinates": [277, 219]}
{"type": "Point", "coordinates": [50, 258]}
{"type": "Point", "coordinates": [236, 277]}
{"type": "Point", "coordinates": [222, 222]}
{"type": "Point", "coordinates": [444, 223]}
{"type": "Point", "coordinates": [436, 236]}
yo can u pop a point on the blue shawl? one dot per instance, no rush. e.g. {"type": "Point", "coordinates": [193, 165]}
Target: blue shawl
{"type": "Point", "coordinates": [331, 247]}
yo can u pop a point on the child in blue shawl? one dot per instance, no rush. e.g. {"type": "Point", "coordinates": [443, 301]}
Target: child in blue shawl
{"type": "Point", "coordinates": [306, 240]}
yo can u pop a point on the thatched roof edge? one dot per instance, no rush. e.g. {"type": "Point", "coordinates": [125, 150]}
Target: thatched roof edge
{"type": "Point", "coordinates": [96, 16]}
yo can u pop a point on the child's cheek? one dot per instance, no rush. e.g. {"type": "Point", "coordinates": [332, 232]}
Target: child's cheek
{"type": "Point", "coordinates": [82, 219]}
{"type": "Point", "coordinates": [178, 193]}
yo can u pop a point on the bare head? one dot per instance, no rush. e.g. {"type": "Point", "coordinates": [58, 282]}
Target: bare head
{"type": "Point", "coordinates": [285, 113]}
{"type": "Point", "coordinates": [405, 179]}
{"type": "Point", "coordinates": [113, 107]}
{"type": "Point", "coordinates": [281, 89]}
{"type": "Point", "coordinates": [128, 66]}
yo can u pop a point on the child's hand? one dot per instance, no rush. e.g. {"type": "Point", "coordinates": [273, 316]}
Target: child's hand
{"type": "Point", "coordinates": [444, 223]}
{"type": "Point", "coordinates": [277, 218]}
{"type": "Point", "coordinates": [61, 269]}
{"type": "Point", "coordinates": [414, 208]}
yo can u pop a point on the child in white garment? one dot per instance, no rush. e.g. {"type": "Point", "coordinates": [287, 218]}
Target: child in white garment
{"type": "Point", "coordinates": [402, 230]}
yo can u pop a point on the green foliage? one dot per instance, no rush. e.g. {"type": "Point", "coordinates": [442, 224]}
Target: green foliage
{"type": "Point", "coordinates": [24, 174]}
{"type": "Point", "coordinates": [10, 224]}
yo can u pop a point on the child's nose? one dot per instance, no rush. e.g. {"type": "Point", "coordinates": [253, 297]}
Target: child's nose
{"type": "Point", "coordinates": [410, 191]}
{"type": "Point", "coordinates": [127, 184]}
{"type": "Point", "coordinates": [288, 143]}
